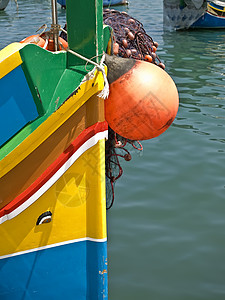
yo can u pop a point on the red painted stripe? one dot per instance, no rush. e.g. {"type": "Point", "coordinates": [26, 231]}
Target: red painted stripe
{"type": "Point", "coordinates": [54, 167]}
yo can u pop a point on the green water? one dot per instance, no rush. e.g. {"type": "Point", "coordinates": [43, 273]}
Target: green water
{"type": "Point", "coordinates": [166, 230]}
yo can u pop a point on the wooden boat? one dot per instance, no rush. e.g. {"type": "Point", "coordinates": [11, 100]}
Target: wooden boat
{"type": "Point", "coordinates": [52, 176]}
{"type": "Point", "coordinates": [105, 2]}
{"type": "Point", "coordinates": [3, 4]}
{"type": "Point", "coordinates": [214, 17]}
{"type": "Point", "coordinates": [194, 14]}
{"type": "Point", "coordinates": [53, 238]}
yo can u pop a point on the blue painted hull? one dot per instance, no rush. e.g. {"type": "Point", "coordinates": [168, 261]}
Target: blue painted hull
{"type": "Point", "coordinates": [209, 21]}
{"type": "Point", "coordinates": [62, 2]}
{"type": "Point", "coordinates": [17, 105]}
{"type": "Point", "coordinates": [73, 271]}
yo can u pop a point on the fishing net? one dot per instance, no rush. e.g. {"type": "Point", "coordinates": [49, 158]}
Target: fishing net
{"type": "Point", "coordinates": [130, 40]}
{"type": "Point", "coordinates": [117, 148]}
{"type": "Point", "coordinates": [130, 37]}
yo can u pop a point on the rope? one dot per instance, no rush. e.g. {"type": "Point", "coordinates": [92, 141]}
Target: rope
{"type": "Point", "coordinates": [100, 67]}
{"type": "Point", "coordinates": [140, 45]}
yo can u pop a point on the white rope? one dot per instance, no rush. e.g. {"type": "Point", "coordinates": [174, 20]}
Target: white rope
{"type": "Point", "coordinates": [100, 67]}
{"type": "Point", "coordinates": [105, 92]}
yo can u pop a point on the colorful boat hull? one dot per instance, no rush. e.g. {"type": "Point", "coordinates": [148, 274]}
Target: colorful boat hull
{"type": "Point", "coordinates": [54, 274]}
{"type": "Point", "coordinates": [209, 21]}
{"type": "Point", "coordinates": [52, 174]}
{"type": "Point", "coordinates": [181, 15]}
{"type": "Point", "coordinates": [213, 18]}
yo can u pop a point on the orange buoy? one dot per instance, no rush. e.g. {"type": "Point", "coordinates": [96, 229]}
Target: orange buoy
{"type": "Point", "coordinates": [64, 44]}
{"type": "Point", "coordinates": [34, 39]}
{"type": "Point", "coordinates": [115, 48]}
{"type": "Point", "coordinates": [148, 58]}
{"type": "Point", "coordinates": [143, 99]}
{"type": "Point", "coordinates": [41, 41]}
{"type": "Point", "coordinates": [51, 45]}
{"type": "Point", "coordinates": [154, 48]}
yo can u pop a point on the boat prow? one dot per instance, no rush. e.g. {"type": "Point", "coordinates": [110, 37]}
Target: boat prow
{"type": "Point", "coordinates": [213, 18]}
{"type": "Point", "coordinates": [52, 176]}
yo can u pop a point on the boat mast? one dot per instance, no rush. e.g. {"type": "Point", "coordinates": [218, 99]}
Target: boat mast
{"type": "Point", "coordinates": [55, 26]}
{"type": "Point", "coordinates": [85, 29]}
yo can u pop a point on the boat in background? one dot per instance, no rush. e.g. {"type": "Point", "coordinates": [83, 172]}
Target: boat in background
{"type": "Point", "coordinates": [194, 14]}
{"type": "Point", "coordinates": [3, 4]}
{"type": "Point", "coordinates": [105, 2]}
{"type": "Point", "coordinates": [52, 161]}
{"type": "Point", "coordinates": [62, 3]}
{"type": "Point", "coordinates": [214, 17]}
{"type": "Point", "coordinates": [114, 2]}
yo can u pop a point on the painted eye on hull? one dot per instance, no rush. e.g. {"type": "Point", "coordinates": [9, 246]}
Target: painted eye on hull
{"type": "Point", "coordinates": [46, 217]}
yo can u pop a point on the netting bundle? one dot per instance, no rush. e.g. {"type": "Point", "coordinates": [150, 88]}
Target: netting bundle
{"type": "Point", "coordinates": [117, 148]}
{"type": "Point", "coordinates": [130, 40]}
{"type": "Point", "coordinates": [130, 37]}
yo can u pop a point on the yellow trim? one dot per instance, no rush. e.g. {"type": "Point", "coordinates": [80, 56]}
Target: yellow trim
{"type": "Point", "coordinates": [214, 8]}
{"type": "Point", "coordinates": [52, 123]}
{"type": "Point", "coordinates": [77, 202]}
{"type": "Point", "coordinates": [10, 58]}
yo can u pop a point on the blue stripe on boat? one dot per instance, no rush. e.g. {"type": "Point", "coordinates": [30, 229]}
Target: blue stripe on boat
{"type": "Point", "coordinates": [17, 104]}
{"type": "Point", "coordinates": [73, 271]}
{"type": "Point", "coordinates": [209, 21]}
{"type": "Point", "coordinates": [216, 5]}
{"type": "Point", "coordinates": [62, 2]}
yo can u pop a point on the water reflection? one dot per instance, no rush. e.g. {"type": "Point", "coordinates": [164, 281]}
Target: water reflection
{"type": "Point", "coordinates": [195, 60]}
{"type": "Point", "coordinates": [19, 23]}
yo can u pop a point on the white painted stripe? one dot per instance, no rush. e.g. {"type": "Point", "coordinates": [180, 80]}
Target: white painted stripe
{"type": "Point", "coordinates": [54, 245]}
{"type": "Point", "coordinates": [87, 145]}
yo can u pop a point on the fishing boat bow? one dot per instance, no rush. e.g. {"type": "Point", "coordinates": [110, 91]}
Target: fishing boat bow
{"type": "Point", "coordinates": [52, 176]}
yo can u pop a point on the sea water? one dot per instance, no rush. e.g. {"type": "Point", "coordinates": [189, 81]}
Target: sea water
{"type": "Point", "coordinates": [166, 229]}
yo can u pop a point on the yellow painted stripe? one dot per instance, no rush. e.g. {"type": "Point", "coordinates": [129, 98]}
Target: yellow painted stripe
{"type": "Point", "coordinates": [53, 246]}
{"type": "Point", "coordinates": [10, 58]}
{"type": "Point", "coordinates": [77, 202]}
{"type": "Point", "coordinates": [216, 8]}
{"type": "Point", "coordinates": [52, 123]}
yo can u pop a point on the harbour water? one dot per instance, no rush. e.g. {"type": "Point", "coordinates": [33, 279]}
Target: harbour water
{"type": "Point", "coordinates": [166, 229]}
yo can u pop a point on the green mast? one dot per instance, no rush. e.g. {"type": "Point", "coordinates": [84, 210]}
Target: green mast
{"type": "Point", "coordinates": [85, 29]}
